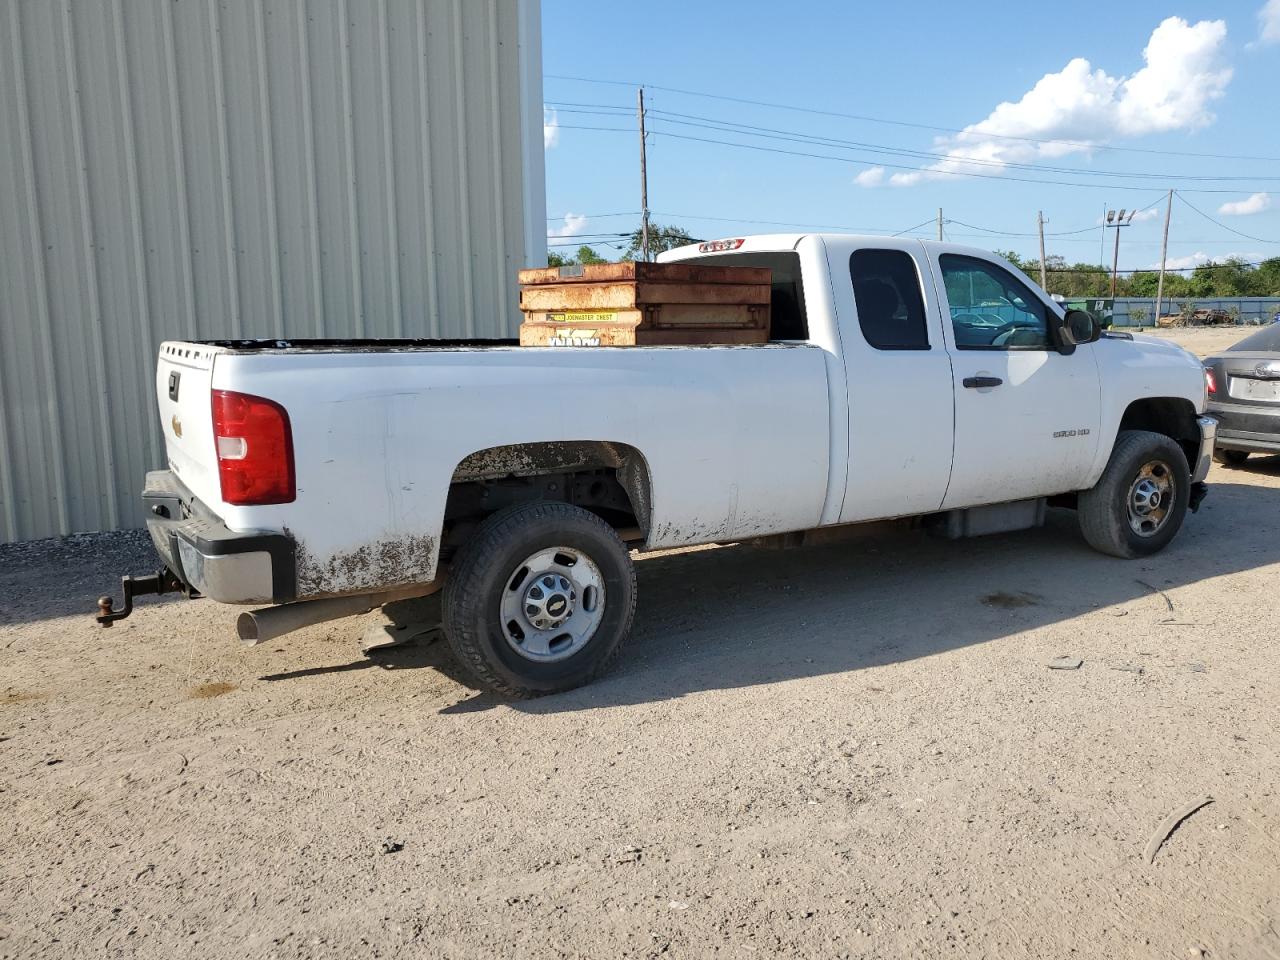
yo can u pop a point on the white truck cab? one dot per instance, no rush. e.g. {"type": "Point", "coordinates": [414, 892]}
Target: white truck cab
{"type": "Point", "coordinates": [902, 379]}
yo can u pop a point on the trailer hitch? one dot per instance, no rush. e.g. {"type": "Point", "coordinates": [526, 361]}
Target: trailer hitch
{"type": "Point", "coordinates": [140, 586]}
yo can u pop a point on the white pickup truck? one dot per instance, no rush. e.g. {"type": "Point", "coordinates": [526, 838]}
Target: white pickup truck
{"type": "Point", "coordinates": [902, 379]}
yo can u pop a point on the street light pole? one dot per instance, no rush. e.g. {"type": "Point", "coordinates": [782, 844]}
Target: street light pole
{"type": "Point", "coordinates": [1115, 221]}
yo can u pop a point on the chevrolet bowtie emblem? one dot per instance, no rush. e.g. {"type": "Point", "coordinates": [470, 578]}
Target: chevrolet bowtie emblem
{"type": "Point", "coordinates": [177, 426]}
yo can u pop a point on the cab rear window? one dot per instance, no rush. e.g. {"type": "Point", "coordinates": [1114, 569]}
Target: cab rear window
{"type": "Point", "coordinates": [787, 318]}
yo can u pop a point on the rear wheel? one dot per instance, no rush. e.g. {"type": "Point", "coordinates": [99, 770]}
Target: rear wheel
{"type": "Point", "coordinates": [1232, 457]}
{"type": "Point", "coordinates": [540, 599]}
{"type": "Point", "coordinates": [1139, 503]}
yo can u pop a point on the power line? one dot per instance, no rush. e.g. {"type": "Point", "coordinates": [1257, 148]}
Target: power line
{"type": "Point", "coordinates": [916, 227]}
{"type": "Point", "coordinates": [896, 166]}
{"type": "Point", "coordinates": [593, 216]}
{"type": "Point", "coordinates": [774, 133]}
{"type": "Point", "coordinates": [1220, 223]}
{"type": "Point", "coordinates": [1084, 144]}
{"type": "Point", "coordinates": [1012, 233]}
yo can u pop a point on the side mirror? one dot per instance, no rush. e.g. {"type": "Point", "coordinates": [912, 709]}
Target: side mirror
{"type": "Point", "coordinates": [1078, 327]}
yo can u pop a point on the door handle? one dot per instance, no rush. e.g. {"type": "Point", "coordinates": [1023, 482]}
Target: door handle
{"type": "Point", "coordinates": [982, 381]}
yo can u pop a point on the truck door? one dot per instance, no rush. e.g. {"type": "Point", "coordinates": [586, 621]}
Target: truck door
{"type": "Point", "coordinates": [898, 376]}
{"type": "Point", "coordinates": [1026, 416]}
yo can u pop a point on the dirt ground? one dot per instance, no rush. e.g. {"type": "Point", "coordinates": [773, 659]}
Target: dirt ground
{"type": "Point", "coordinates": [1203, 341]}
{"type": "Point", "coordinates": [852, 750]}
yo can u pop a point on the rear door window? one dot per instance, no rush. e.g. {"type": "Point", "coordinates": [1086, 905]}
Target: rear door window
{"type": "Point", "coordinates": [886, 292]}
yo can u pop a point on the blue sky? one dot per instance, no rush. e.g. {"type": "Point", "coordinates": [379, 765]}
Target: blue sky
{"type": "Point", "coordinates": [1208, 86]}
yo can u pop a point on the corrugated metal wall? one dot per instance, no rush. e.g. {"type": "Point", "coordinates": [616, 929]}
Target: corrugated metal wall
{"type": "Point", "coordinates": [204, 169]}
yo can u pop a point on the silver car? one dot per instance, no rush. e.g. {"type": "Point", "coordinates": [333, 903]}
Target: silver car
{"type": "Point", "coordinates": [1244, 396]}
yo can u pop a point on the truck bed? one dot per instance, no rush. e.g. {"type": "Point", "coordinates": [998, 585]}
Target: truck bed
{"type": "Point", "coordinates": [381, 345]}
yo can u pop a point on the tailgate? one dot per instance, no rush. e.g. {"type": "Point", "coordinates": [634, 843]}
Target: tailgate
{"type": "Point", "coordinates": [184, 378]}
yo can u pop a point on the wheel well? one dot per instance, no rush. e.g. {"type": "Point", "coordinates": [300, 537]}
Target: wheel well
{"type": "Point", "coordinates": [1175, 417]}
{"type": "Point", "coordinates": [609, 479]}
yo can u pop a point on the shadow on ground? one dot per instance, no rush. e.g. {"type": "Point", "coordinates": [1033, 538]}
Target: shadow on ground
{"type": "Point", "coordinates": [739, 616]}
{"type": "Point", "coordinates": [742, 615]}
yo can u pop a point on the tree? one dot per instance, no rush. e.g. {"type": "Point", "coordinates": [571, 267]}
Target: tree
{"type": "Point", "coordinates": [585, 254]}
{"type": "Point", "coordinates": [1266, 281]}
{"type": "Point", "coordinates": [1017, 261]}
{"type": "Point", "coordinates": [660, 240]}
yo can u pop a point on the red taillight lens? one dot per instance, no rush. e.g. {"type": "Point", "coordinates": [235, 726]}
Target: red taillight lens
{"type": "Point", "coordinates": [1210, 382]}
{"type": "Point", "coordinates": [254, 445]}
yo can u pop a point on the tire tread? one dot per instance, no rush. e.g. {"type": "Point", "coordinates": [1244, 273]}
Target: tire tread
{"type": "Point", "coordinates": [464, 587]}
{"type": "Point", "coordinates": [1105, 527]}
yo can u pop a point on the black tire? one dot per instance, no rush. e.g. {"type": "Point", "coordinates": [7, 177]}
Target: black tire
{"type": "Point", "coordinates": [1104, 510]}
{"type": "Point", "coordinates": [1232, 457]}
{"type": "Point", "coordinates": [483, 569]}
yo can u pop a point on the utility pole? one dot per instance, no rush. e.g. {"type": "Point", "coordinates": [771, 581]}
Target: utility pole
{"type": "Point", "coordinates": [644, 183]}
{"type": "Point", "coordinates": [1115, 265]}
{"type": "Point", "coordinates": [1115, 221]}
{"type": "Point", "coordinates": [1164, 255]}
{"type": "Point", "coordinates": [1044, 281]}
{"type": "Point", "coordinates": [939, 223]}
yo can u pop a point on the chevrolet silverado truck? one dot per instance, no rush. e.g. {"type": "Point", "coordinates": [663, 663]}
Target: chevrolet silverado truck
{"type": "Point", "coordinates": [902, 379]}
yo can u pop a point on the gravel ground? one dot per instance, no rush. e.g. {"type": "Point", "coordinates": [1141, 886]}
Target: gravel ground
{"type": "Point", "coordinates": [852, 750]}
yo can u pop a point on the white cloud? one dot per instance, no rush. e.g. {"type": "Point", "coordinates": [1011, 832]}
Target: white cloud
{"type": "Point", "coordinates": [1199, 257]}
{"type": "Point", "coordinates": [1184, 263]}
{"type": "Point", "coordinates": [1242, 208]}
{"type": "Point", "coordinates": [574, 224]}
{"type": "Point", "coordinates": [1184, 72]}
{"type": "Point", "coordinates": [550, 128]}
{"type": "Point", "coordinates": [871, 177]}
{"type": "Point", "coordinates": [1269, 22]}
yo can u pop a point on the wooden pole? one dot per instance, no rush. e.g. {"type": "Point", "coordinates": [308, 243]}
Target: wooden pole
{"type": "Point", "coordinates": [1044, 281]}
{"type": "Point", "coordinates": [644, 183]}
{"type": "Point", "coordinates": [1164, 255]}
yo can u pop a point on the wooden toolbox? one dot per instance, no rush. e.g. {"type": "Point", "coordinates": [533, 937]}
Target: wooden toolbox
{"type": "Point", "coordinates": [644, 304]}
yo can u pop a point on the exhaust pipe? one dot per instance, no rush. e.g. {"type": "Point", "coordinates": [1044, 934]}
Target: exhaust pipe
{"type": "Point", "coordinates": [259, 626]}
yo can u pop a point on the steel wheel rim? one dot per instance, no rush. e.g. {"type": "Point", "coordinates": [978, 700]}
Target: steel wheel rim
{"type": "Point", "coordinates": [552, 604]}
{"type": "Point", "coordinates": [1151, 497]}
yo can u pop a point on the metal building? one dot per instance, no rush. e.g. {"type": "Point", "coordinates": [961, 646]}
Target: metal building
{"type": "Point", "coordinates": [227, 168]}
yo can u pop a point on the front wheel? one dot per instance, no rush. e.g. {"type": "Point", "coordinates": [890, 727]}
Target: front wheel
{"type": "Point", "coordinates": [1140, 501]}
{"type": "Point", "coordinates": [539, 599]}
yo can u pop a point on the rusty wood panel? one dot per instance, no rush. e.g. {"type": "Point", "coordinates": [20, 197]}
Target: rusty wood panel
{"type": "Point", "coordinates": [629, 330]}
{"type": "Point", "coordinates": [594, 296]}
{"type": "Point", "coordinates": [627, 295]}
{"type": "Point", "coordinates": [626, 335]}
{"type": "Point", "coordinates": [758, 294]}
{"type": "Point", "coordinates": [695, 316]}
{"type": "Point", "coordinates": [592, 335]}
{"type": "Point", "coordinates": [633, 271]}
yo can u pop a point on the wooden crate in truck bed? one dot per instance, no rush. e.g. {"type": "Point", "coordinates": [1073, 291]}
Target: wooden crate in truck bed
{"type": "Point", "coordinates": [644, 304]}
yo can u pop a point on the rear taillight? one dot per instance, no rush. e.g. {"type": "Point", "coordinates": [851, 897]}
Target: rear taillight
{"type": "Point", "coordinates": [254, 445]}
{"type": "Point", "coordinates": [1210, 382]}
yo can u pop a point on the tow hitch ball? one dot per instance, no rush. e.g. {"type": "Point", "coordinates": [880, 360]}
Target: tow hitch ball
{"type": "Point", "coordinates": [139, 586]}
